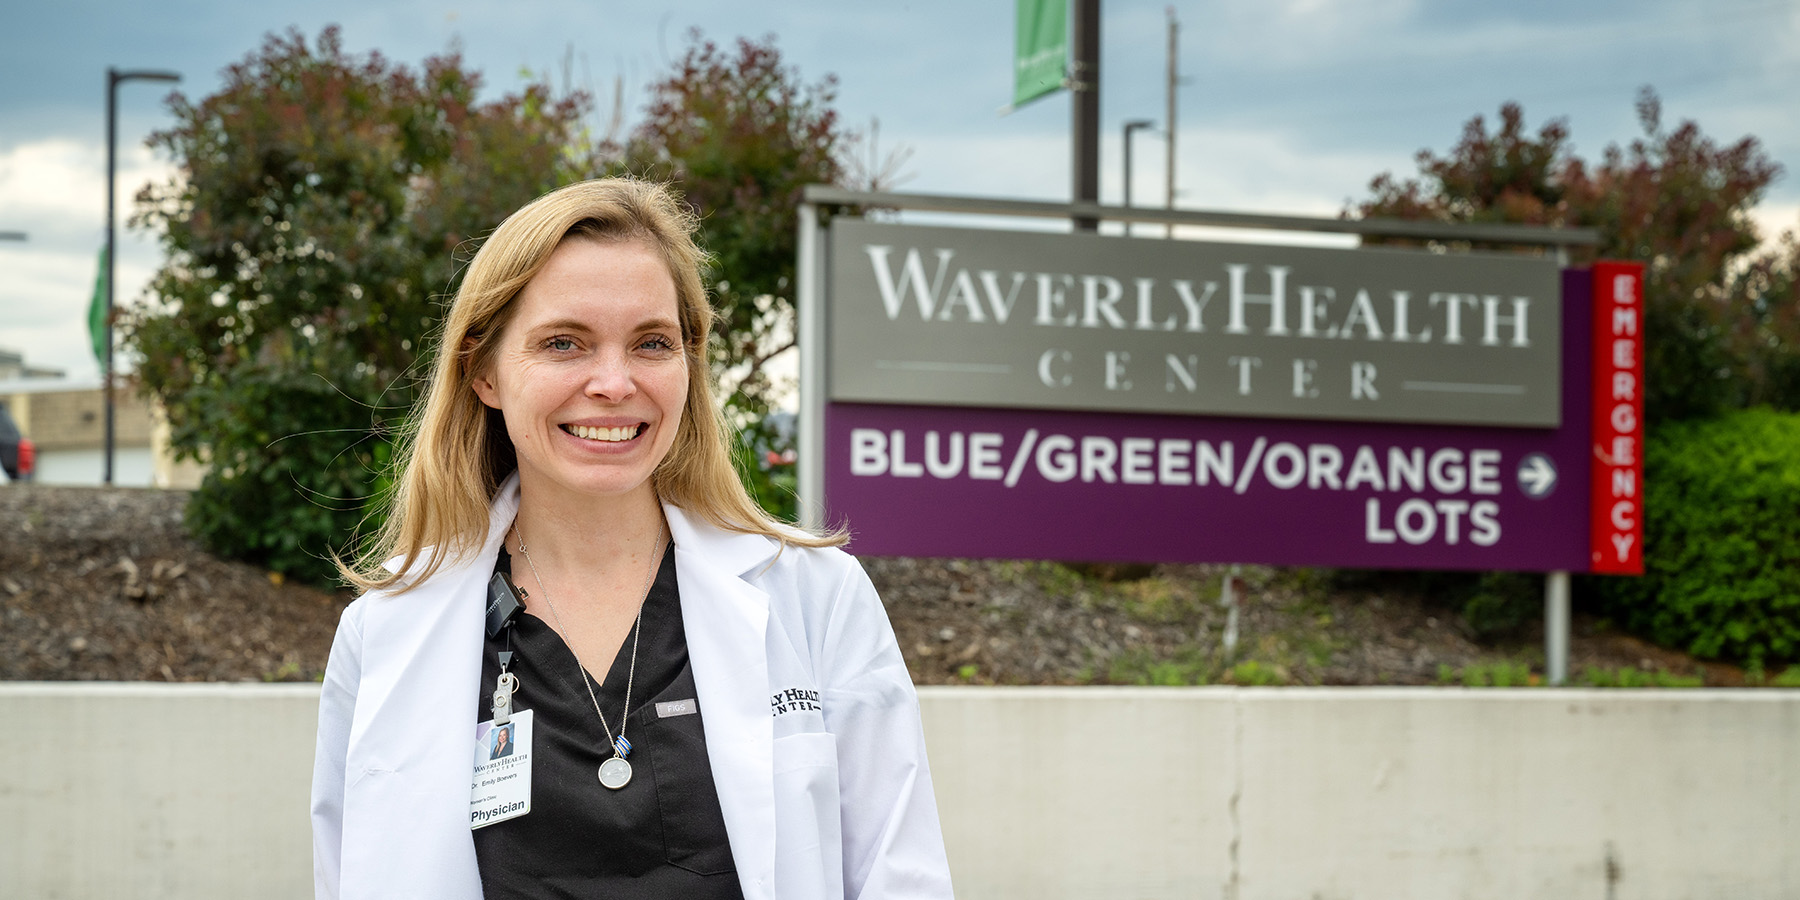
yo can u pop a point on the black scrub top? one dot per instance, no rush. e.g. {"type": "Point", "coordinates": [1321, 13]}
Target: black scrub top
{"type": "Point", "coordinates": [660, 836]}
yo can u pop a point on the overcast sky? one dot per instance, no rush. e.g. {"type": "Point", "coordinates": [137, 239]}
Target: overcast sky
{"type": "Point", "coordinates": [1289, 106]}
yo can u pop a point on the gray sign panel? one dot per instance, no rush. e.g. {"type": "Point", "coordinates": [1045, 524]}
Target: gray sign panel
{"type": "Point", "coordinates": [970, 317]}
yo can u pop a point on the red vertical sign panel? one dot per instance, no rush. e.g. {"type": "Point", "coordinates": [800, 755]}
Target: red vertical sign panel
{"type": "Point", "coordinates": [1617, 506]}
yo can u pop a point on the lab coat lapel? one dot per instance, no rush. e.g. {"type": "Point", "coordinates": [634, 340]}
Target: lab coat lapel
{"type": "Point", "coordinates": [726, 618]}
{"type": "Point", "coordinates": [412, 738]}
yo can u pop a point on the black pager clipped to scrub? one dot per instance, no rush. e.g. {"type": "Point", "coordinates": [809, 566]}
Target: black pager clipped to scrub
{"type": "Point", "coordinates": [503, 603]}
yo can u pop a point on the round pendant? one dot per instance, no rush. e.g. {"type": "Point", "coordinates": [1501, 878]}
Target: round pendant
{"type": "Point", "coordinates": [615, 773]}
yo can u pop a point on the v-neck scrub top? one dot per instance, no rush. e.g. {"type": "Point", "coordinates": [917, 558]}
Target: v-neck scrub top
{"type": "Point", "coordinates": [662, 835]}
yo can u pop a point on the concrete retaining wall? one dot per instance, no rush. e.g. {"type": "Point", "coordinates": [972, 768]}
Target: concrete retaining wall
{"type": "Point", "coordinates": [155, 791]}
{"type": "Point", "coordinates": [200, 792]}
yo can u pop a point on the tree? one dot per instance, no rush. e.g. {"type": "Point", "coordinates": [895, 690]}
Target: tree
{"type": "Point", "coordinates": [741, 135]}
{"type": "Point", "coordinates": [1676, 200]}
{"type": "Point", "coordinates": [321, 203]}
{"type": "Point", "coordinates": [1765, 300]}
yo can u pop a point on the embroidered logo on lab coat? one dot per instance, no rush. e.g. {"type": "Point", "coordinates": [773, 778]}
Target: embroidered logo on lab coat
{"type": "Point", "coordinates": [793, 700]}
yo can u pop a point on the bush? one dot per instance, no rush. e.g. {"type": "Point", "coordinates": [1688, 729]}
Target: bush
{"type": "Point", "coordinates": [1501, 604]}
{"type": "Point", "coordinates": [1722, 540]}
{"type": "Point", "coordinates": [279, 494]}
{"type": "Point", "coordinates": [1489, 605]}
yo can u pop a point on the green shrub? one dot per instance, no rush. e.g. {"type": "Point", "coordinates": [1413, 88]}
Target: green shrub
{"type": "Point", "coordinates": [1490, 605]}
{"type": "Point", "coordinates": [771, 483]}
{"type": "Point", "coordinates": [1722, 540]}
{"type": "Point", "coordinates": [280, 495]}
{"type": "Point", "coordinates": [1501, 603]}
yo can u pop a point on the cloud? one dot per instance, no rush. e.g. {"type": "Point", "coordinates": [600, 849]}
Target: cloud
{"type": "Point", "coordinates": [54, 190]}
{"type": "Point", "coordinates": [38, 182]}
{"type": "Point", "coordinates": [1772, 219]}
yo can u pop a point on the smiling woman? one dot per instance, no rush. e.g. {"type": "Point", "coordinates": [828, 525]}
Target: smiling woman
{"type": "Point", "coordinates": [569, 423]}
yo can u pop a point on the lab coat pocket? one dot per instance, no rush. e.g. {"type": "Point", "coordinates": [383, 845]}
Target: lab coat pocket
{"type": "Point", "coordinates": [686, 797]}
{"type": "Point", "coordinates": [808, 838]}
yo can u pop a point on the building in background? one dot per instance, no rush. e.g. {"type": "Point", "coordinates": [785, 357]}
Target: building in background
{"type": "Point", "coordinates": [66, 421]}
{"type": "Point", "coordinates": [13, 368]}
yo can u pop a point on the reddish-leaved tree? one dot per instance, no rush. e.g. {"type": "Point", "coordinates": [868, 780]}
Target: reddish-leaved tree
{"type": "Point", "coordinates": [321, 203]}
{"type": "Point", "coordinates": [1676, 200]}
{"type": "Point", "coordinates": [741, 134]}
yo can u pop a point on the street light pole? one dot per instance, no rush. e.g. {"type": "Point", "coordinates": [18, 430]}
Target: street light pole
{"type": "Point", "coordinates": [113, 78]}
{"type": "Point", "coordinates": [1131, 126]}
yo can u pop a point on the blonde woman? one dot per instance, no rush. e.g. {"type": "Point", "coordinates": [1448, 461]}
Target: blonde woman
{"type": "Point", "coordinates": [693, 699]}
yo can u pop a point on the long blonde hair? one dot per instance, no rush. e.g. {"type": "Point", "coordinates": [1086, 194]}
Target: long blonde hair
{"type": "Point", "coordinates": [456, 455]}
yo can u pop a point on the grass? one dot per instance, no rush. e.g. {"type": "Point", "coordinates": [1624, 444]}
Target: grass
{"type": "Point", "coordinates": [1193, 668]}
{"type": "Point", "coordinates": [1629, 677]}
{"type": "Point", "coordinates": [1053, 578]}
{"type": "Point", "coordinates": [1139, 667]}
{"type": "Point", "coordinates": [1251, 673]}
{"type": "Point", "coordinates": [1158, 601]}
{"type": "Point", "coordinates": [1512, 673]}
{"type": "Point", "coordinates": [1506, 673]}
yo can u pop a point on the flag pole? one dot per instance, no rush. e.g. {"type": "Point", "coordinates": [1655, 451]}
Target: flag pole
{"type": "Point", "coordinates": [1169, 116]}
{"type": "Point", "coordinates": [1084, 90]}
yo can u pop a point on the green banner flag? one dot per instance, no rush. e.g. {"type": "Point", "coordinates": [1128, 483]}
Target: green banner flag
{"type": "Point", "coordinates": [97, 313]}
{"type": "Point", "coordinates": [1040, 48]}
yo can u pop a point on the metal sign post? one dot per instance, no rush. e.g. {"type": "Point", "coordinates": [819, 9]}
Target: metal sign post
{"type": "Point", "coordinates": [811, 313]}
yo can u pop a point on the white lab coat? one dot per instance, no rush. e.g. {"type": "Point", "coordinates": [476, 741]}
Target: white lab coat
{"type": "Point", "coordinates": [827, 803]}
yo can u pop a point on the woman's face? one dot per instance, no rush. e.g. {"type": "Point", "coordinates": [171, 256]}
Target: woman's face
{"type": "Point", "coordinates": [590, 375]}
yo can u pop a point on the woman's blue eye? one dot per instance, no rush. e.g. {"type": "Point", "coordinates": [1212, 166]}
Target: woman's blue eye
{"type": "Point", "coordinates": [561, 344]}
{"type": "Point", "coordinates": [657, 343]}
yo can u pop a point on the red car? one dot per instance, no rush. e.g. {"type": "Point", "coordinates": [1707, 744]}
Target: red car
{"type": "Point", "coordinates": [17, 456]}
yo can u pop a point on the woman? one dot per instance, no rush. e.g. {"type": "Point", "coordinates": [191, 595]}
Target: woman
{"type": "Point", "coordinates": [700, 701]}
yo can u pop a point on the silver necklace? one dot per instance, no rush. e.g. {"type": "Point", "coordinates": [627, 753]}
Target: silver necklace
{"type": "Point", "coordinates": [615, 772]}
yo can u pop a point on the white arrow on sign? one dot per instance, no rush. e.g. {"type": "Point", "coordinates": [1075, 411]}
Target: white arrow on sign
{"type": "Point", "coordinates": [1537, 475]}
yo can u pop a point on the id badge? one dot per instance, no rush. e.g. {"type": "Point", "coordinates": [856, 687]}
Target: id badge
{"type": "Point", "coordinates": [501, 788]}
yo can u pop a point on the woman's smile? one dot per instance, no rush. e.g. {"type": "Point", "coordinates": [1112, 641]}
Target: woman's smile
{"type": "Point", "coordinates": [604, 434]}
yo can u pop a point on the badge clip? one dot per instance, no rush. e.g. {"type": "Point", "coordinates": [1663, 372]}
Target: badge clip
{"type": "Point", "coordinates": [503, 690]}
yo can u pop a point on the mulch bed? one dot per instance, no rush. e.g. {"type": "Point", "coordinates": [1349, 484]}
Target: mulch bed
{"type": "Point", "coordinates": [104, 584]}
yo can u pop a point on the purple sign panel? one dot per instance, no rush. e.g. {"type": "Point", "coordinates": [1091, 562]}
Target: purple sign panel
{"type": "Point", "coordinates": [1037, 484]}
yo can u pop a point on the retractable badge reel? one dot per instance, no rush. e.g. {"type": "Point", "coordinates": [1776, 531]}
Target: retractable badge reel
{"type": "Point", "coordinates": [502, 608]}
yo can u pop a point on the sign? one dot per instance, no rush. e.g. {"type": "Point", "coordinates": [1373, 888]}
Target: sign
{"type": "Point", "coordinates": [1020, 320]}
{"type": "Point", "coordinates": [958, 480]}
{"type": "Point", "coordinates": [1616, 508]}
{"type": "Point", "coordinates": [1040, 48]}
